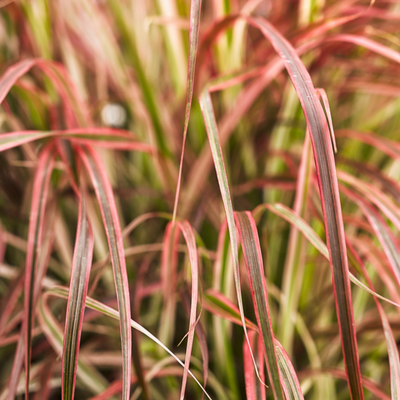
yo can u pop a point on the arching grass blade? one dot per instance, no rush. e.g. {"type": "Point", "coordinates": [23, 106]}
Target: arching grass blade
{"type": "Point", "coordinates": [329, 193]}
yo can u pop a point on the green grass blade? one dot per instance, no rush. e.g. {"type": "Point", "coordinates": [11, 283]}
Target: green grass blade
{"type": "Point", "coordinates": [255, 270]}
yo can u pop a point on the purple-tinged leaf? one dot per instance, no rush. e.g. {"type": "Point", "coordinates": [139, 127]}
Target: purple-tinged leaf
{"type": "Point", "coordinates": [329, 193]}
{"type": "Point", "coordinates": [81, 264]}
{"type": "Point", "coordinates": [252, 254]}
{"type": "Point", "coordinates": [109, 213]}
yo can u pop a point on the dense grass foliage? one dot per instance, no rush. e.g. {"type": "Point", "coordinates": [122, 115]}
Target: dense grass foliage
{"type": "Point", "coordinates": [199, 199]}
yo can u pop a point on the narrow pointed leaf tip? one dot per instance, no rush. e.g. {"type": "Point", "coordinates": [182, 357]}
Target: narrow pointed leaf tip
{"type": "Point", "coordinates": [329, 193]}
{"type": "Point", "coordinates": [195, 11]}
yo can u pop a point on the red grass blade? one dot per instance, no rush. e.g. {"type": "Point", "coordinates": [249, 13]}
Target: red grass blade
{"type": "Point", "coordinates": [35, 237]}
{"type": "Point", "coordinates": [109, 213]}
{"type": "Point", "coordinates": [329, 193]}
{"type": "Point", "coordinates": [195, 11]}
{"type": "Point", "coordinates": [255, 270]}
{"type": "Point", "coordinates": [76, 301]}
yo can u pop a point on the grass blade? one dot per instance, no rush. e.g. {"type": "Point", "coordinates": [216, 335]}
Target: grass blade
{"type": "Point", "coordinates": [109, 213]}
{"type": "Point", "coordinates": [290, 382]}
{"type": "Point", "coordinates": [217, 304]}
{"type": "Point", "coordinates": [212, 133]}
{"type": "Point", "coordinates": [188, 234]}
{"type": "Point", "coordinates": [287, 214]}
{"type": "Point", "coordinates": [12, 75]}
{"type": "Point", "coordinates": [394, 360]}
{"type": "Point", "coordinates": [88, 375]}
{"type": "Point", "coordinates": [195, 11]}
{"type": "Point", "coordinates": [329, 193]}
{"type": "Point", "coordinates": [35, 236]}
{"type": "Point", "coordinates": [76, 301]}
{"type": "Point", "coordinates": [106, 310]}
{"type": "Point", "coordinates": [255, 270]}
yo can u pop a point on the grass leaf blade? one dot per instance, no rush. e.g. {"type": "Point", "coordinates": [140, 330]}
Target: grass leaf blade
{"type": "Point", "coordinates": [252, 255]}
{"type": "Point", "coordinates": [76, 301]}
{"type": "Point", "coordinates": [108, 209]}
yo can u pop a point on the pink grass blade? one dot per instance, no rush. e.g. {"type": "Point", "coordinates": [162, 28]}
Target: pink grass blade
{"type": "Point", "coordinates": [81, 264]}
{"type": "Point", "coordinates": [12, 75]}
{"type": "Point", "coordinates": [16, 368]}
{"type": "Point", "coordinates": [368, 44]}
{"type": "Point", "coordinates": [217, 304]}
{"type": "Point", "coordinates": [102, 137]}
{"type": "Point", "coordinates": [188, 234]}
{"type": "Point", "coordinates": [329, 193]}
{"type": "Point", "coordinates": [249, 376]}
{"type": "Point", "coordinates": [35, 236]}
{"type": "Point", "coordinates": [109, 213]}
{"type": "Point", "coordinates": [252, 254]}
{"type": "Point", "coordinates": [382, 231]}
{"type": "Point", "coordinates": [291, 217]}
{"type": "Point", "coordinates": [106, 310]}
{"type": "Point", "coordinates": [393, 352]}
{"type": "Point", "coordinates": [195, 11]}
{"type": "Point", "coordinates": [212, 133]}
{"type": "Point", "coordinates": [87, 374]}
{"type": "Point", "coordinates": [322, 94]}
{"type": "Point", "coordinates": [290, 382]}
{"type": "Point", "coordinates": [200, 333]}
